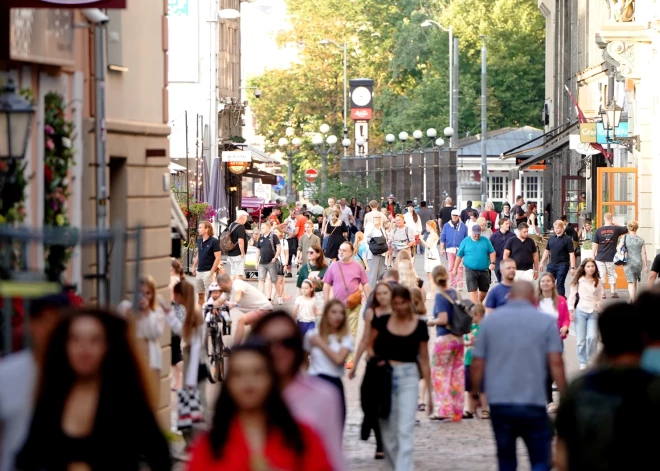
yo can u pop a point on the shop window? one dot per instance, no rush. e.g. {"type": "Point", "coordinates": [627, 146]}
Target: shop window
{"type": "Point", "coordinates": [531, 186]}
{"type": "Point", "coordinates": [498, 188]}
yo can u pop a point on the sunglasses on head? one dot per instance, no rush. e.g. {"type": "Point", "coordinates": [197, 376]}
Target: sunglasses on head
{"type": "Point", "coordinates": [287, 342]}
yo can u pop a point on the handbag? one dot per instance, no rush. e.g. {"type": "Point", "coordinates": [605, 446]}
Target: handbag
{"type": "Point", "coordinates": [189, 407]}
{"type": "Point", "coordinates": [378, 244]}
{"type": "Point", "coordinates": [354, 299]}
{"type": "Point", "coordinates": [621, 255]}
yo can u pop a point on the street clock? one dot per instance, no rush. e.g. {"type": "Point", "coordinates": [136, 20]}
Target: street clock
{"type": "Point", "coordinates": [362, 100]}
{"type": "Point", "coordinates": [361, 96]}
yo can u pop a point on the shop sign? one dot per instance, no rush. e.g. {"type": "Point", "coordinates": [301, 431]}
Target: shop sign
{"type": "Point", "coordinates": [42, 36]}
{"type": "Point", "coordinates": [588, 132]}
{"type": "Point", "coordinates": [238, 162]}
{"type": "Point", "coordinates": [620, 131]}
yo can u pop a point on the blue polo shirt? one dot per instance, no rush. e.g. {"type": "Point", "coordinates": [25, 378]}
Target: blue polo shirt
{"type": "Point", "coordinates": [499, 241]}
{"type": "Point", "coordinates": [475, 253]}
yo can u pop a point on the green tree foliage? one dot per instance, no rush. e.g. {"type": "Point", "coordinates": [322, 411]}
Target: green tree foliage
{"type": "Point", "coordinates": [409, 65]}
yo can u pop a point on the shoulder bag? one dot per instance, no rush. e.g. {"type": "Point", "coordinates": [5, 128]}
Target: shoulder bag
{"type": "Point", "coordinates": [378, 245]}
{"type": "Point", "coordinates": [621, 255]}
{"type": "Point", "coordinates": [354, 299]}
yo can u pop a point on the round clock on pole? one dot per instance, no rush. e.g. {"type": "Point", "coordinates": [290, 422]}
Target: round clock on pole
{"type": "Point", "coordinates": [362, 104]}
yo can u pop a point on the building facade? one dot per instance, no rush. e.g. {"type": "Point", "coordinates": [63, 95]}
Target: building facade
{"type": "Point", "coordinates": [46, 52]}
{"type": "Point", "coordinates": [603, 52]}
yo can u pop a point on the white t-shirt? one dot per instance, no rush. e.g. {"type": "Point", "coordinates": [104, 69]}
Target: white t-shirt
{"type": "Point", "coordinates": [305, 309]}
{"type": "Point", "coordinates": [251, 300]}
{"type": "Point", "coordinates": [18, 373]}
{"type": "Point", "coordinates": [546, 305]}
{"type": "Point", "coordinates": [321, 364]}
{"type": "Point", "coordinates": [285, 247]}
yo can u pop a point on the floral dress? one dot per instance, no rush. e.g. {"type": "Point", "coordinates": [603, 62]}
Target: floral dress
{"type": "Point", "coordinates": [633, 267]}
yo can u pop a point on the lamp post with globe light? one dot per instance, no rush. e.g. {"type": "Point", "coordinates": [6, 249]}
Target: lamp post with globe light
{"type": "Point", "coordinates": [290, 148]}
{"type": "Point", "coordinates": [324, 145]}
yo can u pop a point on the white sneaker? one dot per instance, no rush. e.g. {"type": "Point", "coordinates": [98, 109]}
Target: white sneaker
{"type": "Point", "coordinates": [280, 301]}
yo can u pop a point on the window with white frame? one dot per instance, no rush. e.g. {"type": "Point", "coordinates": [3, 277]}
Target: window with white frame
{"type": "Point", "coordinates": [498, 187]}
{"type": "Point", "coordinates": [531, 187]}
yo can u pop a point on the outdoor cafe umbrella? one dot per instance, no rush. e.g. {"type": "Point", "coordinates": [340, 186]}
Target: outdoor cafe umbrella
{"type": "Point", "coordinates": [216, 194]}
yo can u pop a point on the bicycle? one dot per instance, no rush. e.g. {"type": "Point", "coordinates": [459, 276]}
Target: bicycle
{"type": "Point", "coordinates": [216, 349]}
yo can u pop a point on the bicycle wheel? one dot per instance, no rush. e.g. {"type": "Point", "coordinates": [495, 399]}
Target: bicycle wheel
{"type": "Point", "coordinates": [212, 356]}
{"type": "Point", "coordinates": [222, 354]}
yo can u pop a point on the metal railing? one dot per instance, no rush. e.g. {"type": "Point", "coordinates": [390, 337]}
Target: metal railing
{"type": "Point", "coordinates": [22, 278]}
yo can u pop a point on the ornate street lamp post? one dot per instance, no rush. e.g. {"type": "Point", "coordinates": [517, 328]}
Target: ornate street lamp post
{"type": "Point", "coordinates": [324, 145]}
{"type": "Point", "coordinates": [290, 149]}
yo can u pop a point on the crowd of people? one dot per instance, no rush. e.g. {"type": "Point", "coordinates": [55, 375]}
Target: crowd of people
{"type": "Point", "coordinates": [494, 354]}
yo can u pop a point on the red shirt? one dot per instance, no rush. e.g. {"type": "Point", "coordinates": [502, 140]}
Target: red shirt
{"type": "Point", "coordinates": [300, 223]}
{"type": "Point", "coordinates": [236, 454]}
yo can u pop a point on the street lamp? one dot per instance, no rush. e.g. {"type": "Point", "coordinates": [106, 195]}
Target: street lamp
{"type": "Point", "coordinates": [325, 42]}
{"type": "Point", "coordinates": [15, 123]}
{"type": "Point", "coordinates": [453, 95]}
{"type": "Point", "coordinates": [324, 145]}
{"type": "Point", "coordinates": [611, 116]}
{"type": "Point", "coordinates": [290, 148]}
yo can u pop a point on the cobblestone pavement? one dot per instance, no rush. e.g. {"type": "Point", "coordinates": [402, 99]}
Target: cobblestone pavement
{"type": "Point", "coordinates": [465, 446]}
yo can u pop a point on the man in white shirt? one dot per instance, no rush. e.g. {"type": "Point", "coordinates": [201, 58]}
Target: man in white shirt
{"type": "Point", "coordinates": [369, 217]}
{"type": "Point", "coordinates": [317, 209]}
{"type": "Point", "coordinates": [238, 294]}
{"type": "Point", "coordinates": [344, 211]}
{"type": "Point", "coordinates": [18, 378]}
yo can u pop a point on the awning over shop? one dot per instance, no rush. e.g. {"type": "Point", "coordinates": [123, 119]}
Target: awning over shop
{"type": "Point", "coordinates": [265, 177]}
{"type": "Point", "coordinates": [260, 156]}
{"type": "Point", "coordinates": [555, 140]}
{"type": "Point", "coordinates": [177, 219]}
{"type": "Point", "coordinates": [175, 168]}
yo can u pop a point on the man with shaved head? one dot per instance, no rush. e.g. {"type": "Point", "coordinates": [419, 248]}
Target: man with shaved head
{"type": "Point", "coordinates": [516, 344]}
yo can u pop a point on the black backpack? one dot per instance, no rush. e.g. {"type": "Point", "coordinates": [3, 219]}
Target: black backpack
{"type": "Point", "coordinates": [461, 319]}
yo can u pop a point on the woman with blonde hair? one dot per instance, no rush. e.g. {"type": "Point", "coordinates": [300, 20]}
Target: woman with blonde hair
{"type": "Point", "coordinates": [637, 262]}
{"type": "Point", "coordinates": [447, 365]}
{"type": "Point", "coordinates": [485, 230]}
{"type": "Point", "coordinates": [360, 250]}
{"type": "Point", "coordinates": [407, 275]}
{"type": "Point", "coordinates": [431, 254]}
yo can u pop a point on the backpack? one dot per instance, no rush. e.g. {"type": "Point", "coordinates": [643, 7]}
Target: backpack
{"type": "Point", "coordinates": [461, 319]}
{"type": "Point", "coordinates": [226, 244]}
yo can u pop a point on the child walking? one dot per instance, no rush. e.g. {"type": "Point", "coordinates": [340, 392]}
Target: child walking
{"type": "Point", "coordinates": [305, 310]}
{"type": "Point", "coordinates": [329, 346]}
{"type": "Point", "coordinates": [478, 313]}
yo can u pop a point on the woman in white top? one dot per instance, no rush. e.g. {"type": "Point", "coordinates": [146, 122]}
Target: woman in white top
{"type": "Point", "coordinates": [284, 259]}
{"type": "Point", "coordinates": [329, 346]}
{"type": "Point", "coordinates": [150, 326]}
{"type": "Point", "coordinates": [412, 220]}
{"type": "Point", "coordinates": [192, 331]}
{"type": "Point", "coordinates": [588, 286]}
{"type": "Point", "coordinates": [431, 254]}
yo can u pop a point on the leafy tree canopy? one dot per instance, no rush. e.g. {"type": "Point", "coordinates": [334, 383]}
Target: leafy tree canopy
{"type": "Point", "coordinates": [409, 65]}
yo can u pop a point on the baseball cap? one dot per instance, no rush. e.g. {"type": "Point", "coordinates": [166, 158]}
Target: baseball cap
{"type": "Point", "coordinates": [455, 212]}
{"type": "Point", "coordinates": [241, 213]}
{"type": "Point", "coordinates": [476, 229]}
{"type": "Point", "coordinates": [391, 196]}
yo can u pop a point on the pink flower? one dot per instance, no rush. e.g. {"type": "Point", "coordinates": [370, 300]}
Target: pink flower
{"type": "Point", "coordinates": [48, 129]}
{"type": "Point", "coordinates": [50, 145]}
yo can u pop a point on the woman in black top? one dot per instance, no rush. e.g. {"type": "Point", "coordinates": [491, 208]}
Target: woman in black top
{"type": "Point", "coordinates": [356, 211]}
{"type": "Point", "coordinates": [92, 390]}
{"type": "Point", "coordinates": [401, 340]}
{"type": "Point", "coordinates": [336, 232]}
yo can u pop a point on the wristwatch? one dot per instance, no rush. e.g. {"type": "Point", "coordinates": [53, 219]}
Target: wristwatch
{"type": "Point", "coordinates": [572, 268]}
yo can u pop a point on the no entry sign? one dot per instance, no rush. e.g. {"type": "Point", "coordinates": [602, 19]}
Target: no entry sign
{"type": "Point", "coordinates": [311, 175]}
{"type": "Point", "coordinates": [64, 3]}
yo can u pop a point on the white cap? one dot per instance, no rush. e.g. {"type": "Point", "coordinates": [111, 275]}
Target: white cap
{"type": "Point", "coordinates": [455, 212]}
{"type": "Point", "coordinates": [241, 213]}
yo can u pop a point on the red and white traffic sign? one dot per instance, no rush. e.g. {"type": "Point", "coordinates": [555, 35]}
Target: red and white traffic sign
{"type": "Point", "coordinates": [311, 175]}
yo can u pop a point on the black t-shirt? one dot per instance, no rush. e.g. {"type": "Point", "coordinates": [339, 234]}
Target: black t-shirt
{"type": "Point", "coordinates": [236, 234]}
{"type": "Point", "coordinates": [396, 347]}
{"type": "Point", "coordinates": [656, 264]}
{"type": "Point", "coordinates": [519, 215]}
{"type": "Point", "coordinates": [599, 419]}
{"type": "Point", "coordinates": [607, 237]}
{"type": "Point", "coordinates": [445, 215]}
{"type": "Point", "coordinates": [206, 250]}
{"type": "Point", "coordinates": [522, 252]}
{"type": "Point", "coordinates": [560, 248]}
{"type": "Point", "coordinates": [267, 248]}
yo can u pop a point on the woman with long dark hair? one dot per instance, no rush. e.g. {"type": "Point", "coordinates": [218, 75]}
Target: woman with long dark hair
{"type": "Point", "coordinates": [253, 428]}
{"type": "Point", "coordinates": [401, 340]}
{"type": "Point", "coordinates": [584, 306]}
{"type": "Point", "coordinates": [92, 387]}
{"type": "Point", "coordinates": [314, 270]}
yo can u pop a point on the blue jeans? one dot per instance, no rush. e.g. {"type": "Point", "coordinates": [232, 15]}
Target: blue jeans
{"type": "Point", "coordinates": [559, 272]}
{"type": "Point", "coordinates": [527, 422]}
{"type": "Point", "coordinates": [398, 429]}
{"type": "Point", "coordinates": [586, 331]}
